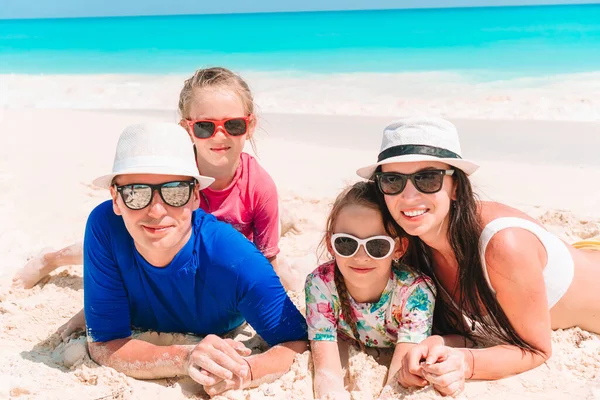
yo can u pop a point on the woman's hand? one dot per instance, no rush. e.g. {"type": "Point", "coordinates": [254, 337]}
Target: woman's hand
{"type": "Point", "coordinates": [445, 368]}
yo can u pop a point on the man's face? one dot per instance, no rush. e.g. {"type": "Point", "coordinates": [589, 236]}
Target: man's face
{"type": "Point", "coordinates": [158, 230]}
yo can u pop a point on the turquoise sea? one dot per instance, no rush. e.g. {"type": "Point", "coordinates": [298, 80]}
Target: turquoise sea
{"type": "Point", "coordinates": [514, 41]}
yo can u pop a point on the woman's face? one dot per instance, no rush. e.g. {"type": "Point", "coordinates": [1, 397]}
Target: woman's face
{"type": "Point", "coordinates": [421, 214]}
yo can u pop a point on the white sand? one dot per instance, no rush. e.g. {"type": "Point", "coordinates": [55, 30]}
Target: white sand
{"type": "Point", "coordinates": [48, 158]}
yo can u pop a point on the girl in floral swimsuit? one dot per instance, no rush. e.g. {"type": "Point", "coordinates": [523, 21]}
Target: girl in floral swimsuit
{"type": "Point", "coordinates": [364, 293]}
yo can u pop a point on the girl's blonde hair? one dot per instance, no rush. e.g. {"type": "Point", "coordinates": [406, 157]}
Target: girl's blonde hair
{"type": "Point", "coordinates": [216, 77]}
{"type": "Point", "coordinates": [364, 194]}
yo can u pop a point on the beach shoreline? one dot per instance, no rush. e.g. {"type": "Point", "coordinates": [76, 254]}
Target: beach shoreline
{"type": "Point", "coordinates": [46, 169]}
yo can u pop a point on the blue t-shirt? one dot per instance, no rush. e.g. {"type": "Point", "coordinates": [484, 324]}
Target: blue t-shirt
{"type": "Point", "coordinates": [215, 282]}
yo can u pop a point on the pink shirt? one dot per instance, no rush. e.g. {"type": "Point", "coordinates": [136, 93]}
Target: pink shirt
{"type": "Point", "coordinates": [249, 203]}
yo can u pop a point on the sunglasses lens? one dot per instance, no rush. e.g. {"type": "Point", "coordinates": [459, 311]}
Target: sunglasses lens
{"type": "Point", "coordinates": [428, 181]}
{"type": "Point", "coordinates": [378, 248]}
{"type": "Point", "coordinates": [176, 194]}
{"type": "Point", "coordinates": [204, 129]}
{"type": "Point", "coordinates": [136, 197]}
{"type": "Point", "coordinates": [345, 246]}
{"type": "Point", "coordinates": [236, 126]}
{"type": "Point", "coordinates": [391, 183]}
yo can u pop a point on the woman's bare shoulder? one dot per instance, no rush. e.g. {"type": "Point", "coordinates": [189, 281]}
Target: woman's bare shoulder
{"type": "Point", "coordinates": [489, 211]}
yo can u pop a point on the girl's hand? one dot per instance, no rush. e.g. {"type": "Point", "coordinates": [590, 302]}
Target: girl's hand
{"type": "Point", "coordinates": [410, 373]}
{"type": "Point", "coordinates": [445, 369]}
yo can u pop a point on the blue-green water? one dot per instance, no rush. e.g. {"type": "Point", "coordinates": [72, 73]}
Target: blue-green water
{"type": "Point", "coordinates": [515, 41]}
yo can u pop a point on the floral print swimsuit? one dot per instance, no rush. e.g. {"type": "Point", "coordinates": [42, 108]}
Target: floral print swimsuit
{"type": "Point", "coordinates": [403, 314]}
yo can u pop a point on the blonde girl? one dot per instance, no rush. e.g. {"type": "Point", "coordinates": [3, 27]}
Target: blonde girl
{"type": "Point", "coordinates": [217, 110]}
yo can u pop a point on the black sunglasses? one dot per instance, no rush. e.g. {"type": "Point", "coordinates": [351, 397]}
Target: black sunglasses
{"type": "Point", "coordinates": [428, 181]}
{"type": "Point", "coordinates": [139, 195]}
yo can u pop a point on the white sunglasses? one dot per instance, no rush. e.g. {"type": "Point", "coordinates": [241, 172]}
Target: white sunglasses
{"type": "Point", "coordinates": [377, 247]}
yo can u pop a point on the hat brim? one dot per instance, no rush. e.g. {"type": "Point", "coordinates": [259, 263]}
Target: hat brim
{"type": "Point", "coordinates": [468, 167]}
{"type": "Point", "coordinates": [104, 181]}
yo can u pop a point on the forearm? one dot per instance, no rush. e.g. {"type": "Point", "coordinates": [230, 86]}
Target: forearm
{"type": "Point", "coordinates": [500, 362]}
{"type": "Point", "coordinates": [396, 363]}
{"type": "Point", "coordinates": [458, 341]}
{"type": "Point", "coordinates": [329, 375]}
{"type": "Point", "coordinates": [275, 362]}
{"type": "Point", "coordinates": [141, 360]}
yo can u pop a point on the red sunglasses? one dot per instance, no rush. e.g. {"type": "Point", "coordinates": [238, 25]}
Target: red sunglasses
{"type": "Point", "coordinates": [206, 128]}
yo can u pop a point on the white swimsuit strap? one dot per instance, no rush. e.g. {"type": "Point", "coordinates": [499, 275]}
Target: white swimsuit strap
{"type": "Point", "coordinates": [559, 269]}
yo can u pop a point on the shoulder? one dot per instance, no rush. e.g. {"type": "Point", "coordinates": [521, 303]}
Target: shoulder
{"type": "Point", "coordinates": [222, 244]}
{"type": "Point", "coordinates": [406, 277]}
{"type": "Point", "coordinates": [103, 219]}
{"type": "Point", "coordinates": [259, 179]}
{"type": "Point", "coordinates": [323, 273]}
{"type": "Point", "coordinates": [102, 212]}
{"type": "Point", "coordinates": [512, 249]}
{"type": "Point", "coordinates": [320, 284]}
{"type": "Point", "coordinates": [218, 236]}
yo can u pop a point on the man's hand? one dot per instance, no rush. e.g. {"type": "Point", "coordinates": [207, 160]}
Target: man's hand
{"type": "Point", "coordinates": [218, 365]}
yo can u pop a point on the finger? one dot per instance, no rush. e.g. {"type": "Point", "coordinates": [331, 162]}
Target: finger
{"type": "Point", "coordinates": [223, 386]}
{"type": "Point", "coordinates": [442, 368]}
{"type": "Point", "coordinates": [437, 354]}
{"type": "Point", "coordinates": [228, 358]}
{"type": "Point", "coordinates": [214, 377]}
{"type": "Point", "coordinates": [453, 390]}
{"type": "Point", "coordinates": [446, 379]}
{"type": "Point", "coordinates": [202, 377]}
{"type": "Point", "coordinates": [410, 380]}
{"type": "Point", "coordinates": [212, 362]}
{"type": "Point", "coordinates": [239, 347]}
{"type": "Point", "coordinates": [413, 359]}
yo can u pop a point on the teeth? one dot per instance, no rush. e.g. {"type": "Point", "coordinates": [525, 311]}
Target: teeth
{"type": "Point", "coordinates": [414, 213]}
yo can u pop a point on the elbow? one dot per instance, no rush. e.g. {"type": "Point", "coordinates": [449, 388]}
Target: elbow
{"type": "Point", "coordinates": [97, 352]}
{"type": "Point", "coordinates": [545, 353]}
{"type": "Point", "coordinates": [538, 357]}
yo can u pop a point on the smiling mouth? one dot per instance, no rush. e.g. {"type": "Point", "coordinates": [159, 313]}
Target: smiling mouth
{"type": "Point", "coordinates": [415, 213]}
{"type": "Point", "coordinates": [156, 229]}
{"type": "Point", "coordinates": [361, 270]}
{"type": "Point", "coordinates": [220, 148]}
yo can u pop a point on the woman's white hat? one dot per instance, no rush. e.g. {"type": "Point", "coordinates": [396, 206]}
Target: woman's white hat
{"type": "Point", "coordinates": [154, 148]}
{"type": "Point", "coordinates": [420, 139]}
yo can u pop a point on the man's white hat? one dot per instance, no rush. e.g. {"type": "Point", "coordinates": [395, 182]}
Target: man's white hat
{"type": "Point", "coordinates": [420, 139]}
{"type": "Point", "coordinates": [154, 148]}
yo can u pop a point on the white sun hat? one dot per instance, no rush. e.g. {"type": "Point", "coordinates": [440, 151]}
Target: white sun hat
{"type": "Point", "coordinates": [420, 139]}
{"type": "Point", "coordinates": [154, 148]}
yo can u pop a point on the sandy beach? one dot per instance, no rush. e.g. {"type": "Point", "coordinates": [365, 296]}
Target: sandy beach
{"type": "Point", "coordinates": [48, 158]}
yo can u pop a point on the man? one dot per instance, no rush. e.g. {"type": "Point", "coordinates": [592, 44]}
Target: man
{"type": "Point", "coordinates": [153, 261]}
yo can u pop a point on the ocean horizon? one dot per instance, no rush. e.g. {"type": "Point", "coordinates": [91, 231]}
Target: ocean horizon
{"type": "Point", "coordinates": [486, 43]}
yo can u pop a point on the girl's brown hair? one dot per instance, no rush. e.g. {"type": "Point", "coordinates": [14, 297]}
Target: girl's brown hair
{"type": "Point", "coordinates": [364, 194]}
{"type": "Point", "coordinates": [212, 78]}
{"type": "Point", "coordinates": [475, 296]}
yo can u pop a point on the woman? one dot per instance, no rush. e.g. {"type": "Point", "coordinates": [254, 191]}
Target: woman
{"type": "Point", "coordinates": [512, 280]}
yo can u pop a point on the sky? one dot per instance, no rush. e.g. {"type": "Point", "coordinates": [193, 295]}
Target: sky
{"type": "Point", "coordinates": [96, 8]}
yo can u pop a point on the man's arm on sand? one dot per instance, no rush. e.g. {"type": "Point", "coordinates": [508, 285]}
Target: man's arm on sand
{"type": "Point", "coordinates": [143, 360]}
{"type": "Point", "coordinates": [215, 363]}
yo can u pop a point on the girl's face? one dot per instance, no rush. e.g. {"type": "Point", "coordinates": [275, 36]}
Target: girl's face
{"type": "Point", "coordinates": [221, 151]}
{"type": "Point", "coordinates": [421, 214]}
{"type": "Point", "coordinates": [361, 270]}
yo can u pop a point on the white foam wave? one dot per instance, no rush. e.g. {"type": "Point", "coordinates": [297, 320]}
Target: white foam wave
{"type": "Point", "coordinates": [574, 97]}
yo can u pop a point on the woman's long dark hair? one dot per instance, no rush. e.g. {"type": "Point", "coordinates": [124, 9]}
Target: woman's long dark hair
{"type": "Point", "coordinates": [476, 299]}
